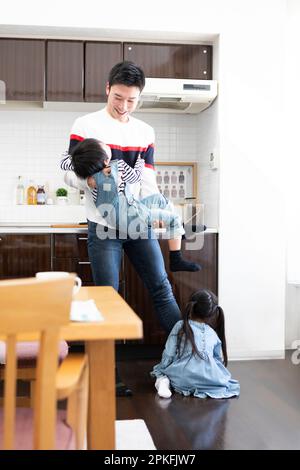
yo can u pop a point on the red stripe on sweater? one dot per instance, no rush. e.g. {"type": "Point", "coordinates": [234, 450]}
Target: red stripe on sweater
{"type": "Point", "coordinates": [126, 149]}
{"type": "Point", "coordinates": [76, 137]}
{"type": "Point", "coordinates": [149, 166]}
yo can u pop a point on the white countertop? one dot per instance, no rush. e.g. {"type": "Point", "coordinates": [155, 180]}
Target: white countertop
{"type": "Point", "coordinates": [39, 229]}
{"type": "Point", "coordinates": [49, 229]}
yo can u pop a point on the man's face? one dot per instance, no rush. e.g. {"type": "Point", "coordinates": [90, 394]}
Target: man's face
{"type": "Point", "coordinates": [121, 101]}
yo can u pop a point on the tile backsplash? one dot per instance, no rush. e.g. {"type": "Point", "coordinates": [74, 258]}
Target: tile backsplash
{"type": "Point", "coordinates": [33, 141]}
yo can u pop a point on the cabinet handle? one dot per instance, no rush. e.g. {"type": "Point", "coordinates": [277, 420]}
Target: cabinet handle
{"type": "Point", "coordinates": [0, 239]}
{"type": "Point", "coordinates": [84, 262]}
{"type": "Point", "coordinates": [82, 238]}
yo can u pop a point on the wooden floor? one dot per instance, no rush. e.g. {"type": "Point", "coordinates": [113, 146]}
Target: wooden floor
{"type": "Point", "coordinates": [265, 416]}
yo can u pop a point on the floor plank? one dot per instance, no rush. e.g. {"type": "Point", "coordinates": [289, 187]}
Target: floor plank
{"type": "Point", "coordinates": [265, 416]}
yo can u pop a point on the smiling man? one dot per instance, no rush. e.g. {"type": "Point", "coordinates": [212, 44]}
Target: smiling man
{"type": "Point", "coordinates": [127, 138]}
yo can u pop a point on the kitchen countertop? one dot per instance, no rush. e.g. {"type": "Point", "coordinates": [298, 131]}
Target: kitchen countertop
{"type": "Point", "coordinates": [56, 228]}
{"type": "Point", "coordinates": [53, 228]}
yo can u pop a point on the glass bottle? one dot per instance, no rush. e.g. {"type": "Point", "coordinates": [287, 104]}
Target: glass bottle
{"type": "Point", "coordinates": [174, 192]}
{"type": "Point", "coordinates": [31, 194]}
{"type": "Point", "coordinates": [20, 192]}
{"type": "Point", "coordinates": [181, 192]}
{"type": "Point", "coordinates": [166, 178]}
{"type": "Point", "coordinates": [181, 177]}
{"type": "Point", "coordinates": [41, 195]}
{"type": "Point", "coordinates": [174, 177]}
{"type": "Point", "coordinates": [166, 191]}
{"type": "Point", "coordinates": [158, 178]}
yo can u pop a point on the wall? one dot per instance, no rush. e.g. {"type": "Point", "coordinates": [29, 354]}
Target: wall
{"type": "Point", "coordinates": [32, 143]}
{"type": "Point", "coordinates": [292, 170]}
{"type": "Point", "coordinates": [251, 133]}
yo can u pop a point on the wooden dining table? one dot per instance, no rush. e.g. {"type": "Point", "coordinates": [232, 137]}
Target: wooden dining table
{"type": "Point", "coordinates": [119, 322]}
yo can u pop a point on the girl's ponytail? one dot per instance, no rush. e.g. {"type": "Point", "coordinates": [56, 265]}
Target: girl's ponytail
{"type": "Point", "coordinates": [186, 331]}
{"type": "Point", "coordinates": [220, 330]}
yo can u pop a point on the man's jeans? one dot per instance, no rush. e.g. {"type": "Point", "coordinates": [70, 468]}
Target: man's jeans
{"type": "Point", "coordinates": [146, 257]}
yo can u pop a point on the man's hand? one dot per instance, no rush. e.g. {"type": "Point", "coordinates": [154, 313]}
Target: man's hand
{"type": "Point", "coordinates": [91, 182]}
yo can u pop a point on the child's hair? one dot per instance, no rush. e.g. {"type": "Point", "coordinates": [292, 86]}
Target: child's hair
{"type": "Point", "coordinates": [203, 305]}
{"type": "Point", "coordinates": [88, 157]}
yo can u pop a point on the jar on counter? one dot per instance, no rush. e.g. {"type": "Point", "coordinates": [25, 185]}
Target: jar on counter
{"type": "Point", "coordinates": [31, 194]}
{"type": "Point", "coordinates": [41, 195]}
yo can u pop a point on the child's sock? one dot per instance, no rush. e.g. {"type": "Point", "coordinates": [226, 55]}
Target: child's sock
{"type": "Point", "coordinates": [162, 386]}
{"type": "Point", "coordinates": [177, 263]}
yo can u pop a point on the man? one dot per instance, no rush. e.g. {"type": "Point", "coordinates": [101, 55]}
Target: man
{"type": "Point", "coordinates": [127, 138]}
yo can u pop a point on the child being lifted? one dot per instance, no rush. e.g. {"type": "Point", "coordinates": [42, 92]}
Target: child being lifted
{"type": "Point", "coordinates": [108, 179]}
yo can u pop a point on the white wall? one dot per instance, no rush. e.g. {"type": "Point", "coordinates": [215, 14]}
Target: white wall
{"type": "Point", "coordinates": [251, 73]}
{"type": "Point", "coordinates": [292, 170]}
{"type": "Point", "coordinates": [32, 143]}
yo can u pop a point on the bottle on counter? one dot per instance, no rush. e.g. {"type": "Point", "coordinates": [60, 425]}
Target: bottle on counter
{"type": "Point", "coordinates": [20, 191]}
{"type": "Point", "coordinates": [82, 198]}
{"type": "Point", "coordinates": [41, 195]}
{"type": "Point", "coordinates": [31, 194]}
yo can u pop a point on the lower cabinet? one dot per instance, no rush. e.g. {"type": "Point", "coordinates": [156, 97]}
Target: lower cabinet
{"type": "Point", "coordinates": [22, 255]}
{"type": "Point", "coordinates": [183, 284]}
{"type": "Point", "coordinates": [69, 253]}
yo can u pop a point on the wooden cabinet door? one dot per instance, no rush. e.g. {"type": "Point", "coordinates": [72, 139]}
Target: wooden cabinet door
{"type": "Point", "coordinates": [100, 57]}
{"type": "Point", "coordinates": [22, 68]}
{"type": "Point", "coordinates": [70, 254]}
{"type": "Point", "coordinates": [183, 285]}
{"type": "Point", "coordinates": [22, 255]}
{"type": "Point", "coordinates": [190, 61]}
{"type": "Point", "coordinates": [64, 71]}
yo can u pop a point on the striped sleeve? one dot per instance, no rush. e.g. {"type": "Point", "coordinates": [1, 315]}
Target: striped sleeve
{"type": "Point", "coordinates": [132, 175]}
{"type": "Point", "coordinates": [66, 163]}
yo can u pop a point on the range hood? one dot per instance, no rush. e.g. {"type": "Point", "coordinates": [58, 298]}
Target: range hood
{"type": "Point", "coordinates": [172, 95]}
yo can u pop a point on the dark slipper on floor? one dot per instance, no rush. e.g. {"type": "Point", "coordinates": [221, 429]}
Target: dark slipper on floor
{"type": "Point", "coordinates": [122, 390]}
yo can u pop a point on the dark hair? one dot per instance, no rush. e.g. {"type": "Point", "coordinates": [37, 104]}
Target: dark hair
{"type": "Point", "coordinates": [88, 157]}
{"type": "Point", "coordinates": [203, 305]}
{"type": "Point", "coordinates": [128, 74]}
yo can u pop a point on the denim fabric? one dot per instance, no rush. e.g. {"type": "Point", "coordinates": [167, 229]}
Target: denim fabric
{"type": "Point", "coordinates": [129, 215]}
{"type": "Point", "coordinates": [189, 374]}
{"type": "Point", "coordinates": [105, 256]}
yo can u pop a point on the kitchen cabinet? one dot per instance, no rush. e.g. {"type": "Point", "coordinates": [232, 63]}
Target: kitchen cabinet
{"type": "Point", "coordinates": [100, 57]}
{"type": "Point", "coordinates": [183, 284]}
{"type": "Point", "coordinates": [22, 68]}
{"type": "Point", "coordinates": [69, 253]}
{"type": "Point", "coordinates": [64, 72]}
{"type": "Point", "coordinates": [189, 61]}
{"type": "Point", "coordinates": [22, 255]}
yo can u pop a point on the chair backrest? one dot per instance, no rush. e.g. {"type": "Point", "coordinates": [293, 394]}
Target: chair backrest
{"type": "Point", "coordinates": [33, 305]}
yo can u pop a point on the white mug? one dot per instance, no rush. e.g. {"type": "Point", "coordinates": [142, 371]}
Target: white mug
{"type": "Point", "coordinates": [44, 275]}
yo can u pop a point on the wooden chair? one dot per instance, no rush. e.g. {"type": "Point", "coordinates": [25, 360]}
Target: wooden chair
{"type": "Point", "coordinates": [32, 305]}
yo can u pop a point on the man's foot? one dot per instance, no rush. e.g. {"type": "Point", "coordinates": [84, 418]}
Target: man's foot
{"type": "Point", "coordinates": [122, 390]}
{"type": "Point", "coordinates": [177, 263]}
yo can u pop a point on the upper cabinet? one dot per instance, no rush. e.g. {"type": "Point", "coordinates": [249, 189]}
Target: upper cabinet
{"type": "Point", "coordinates": [76, 71]}
{"type": "Point", "coordinates": [22, 68]}
{"type": "Point", "coordinates": [100, 57]}
{"type": "Point", "coordinates": [171, 60]}
{"type": "Point", "coordinates": [65, 70]}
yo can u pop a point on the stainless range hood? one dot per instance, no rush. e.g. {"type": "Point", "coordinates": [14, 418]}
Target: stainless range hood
{"type": "Point", "coordinates": [171, 95]}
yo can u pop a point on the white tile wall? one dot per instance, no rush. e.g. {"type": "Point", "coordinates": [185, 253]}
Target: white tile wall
{"type": "Point", "coordinates": [32, 142]}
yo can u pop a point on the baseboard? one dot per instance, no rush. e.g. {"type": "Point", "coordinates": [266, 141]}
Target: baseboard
{"type": "Point", "coordinates": [241, 355]}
